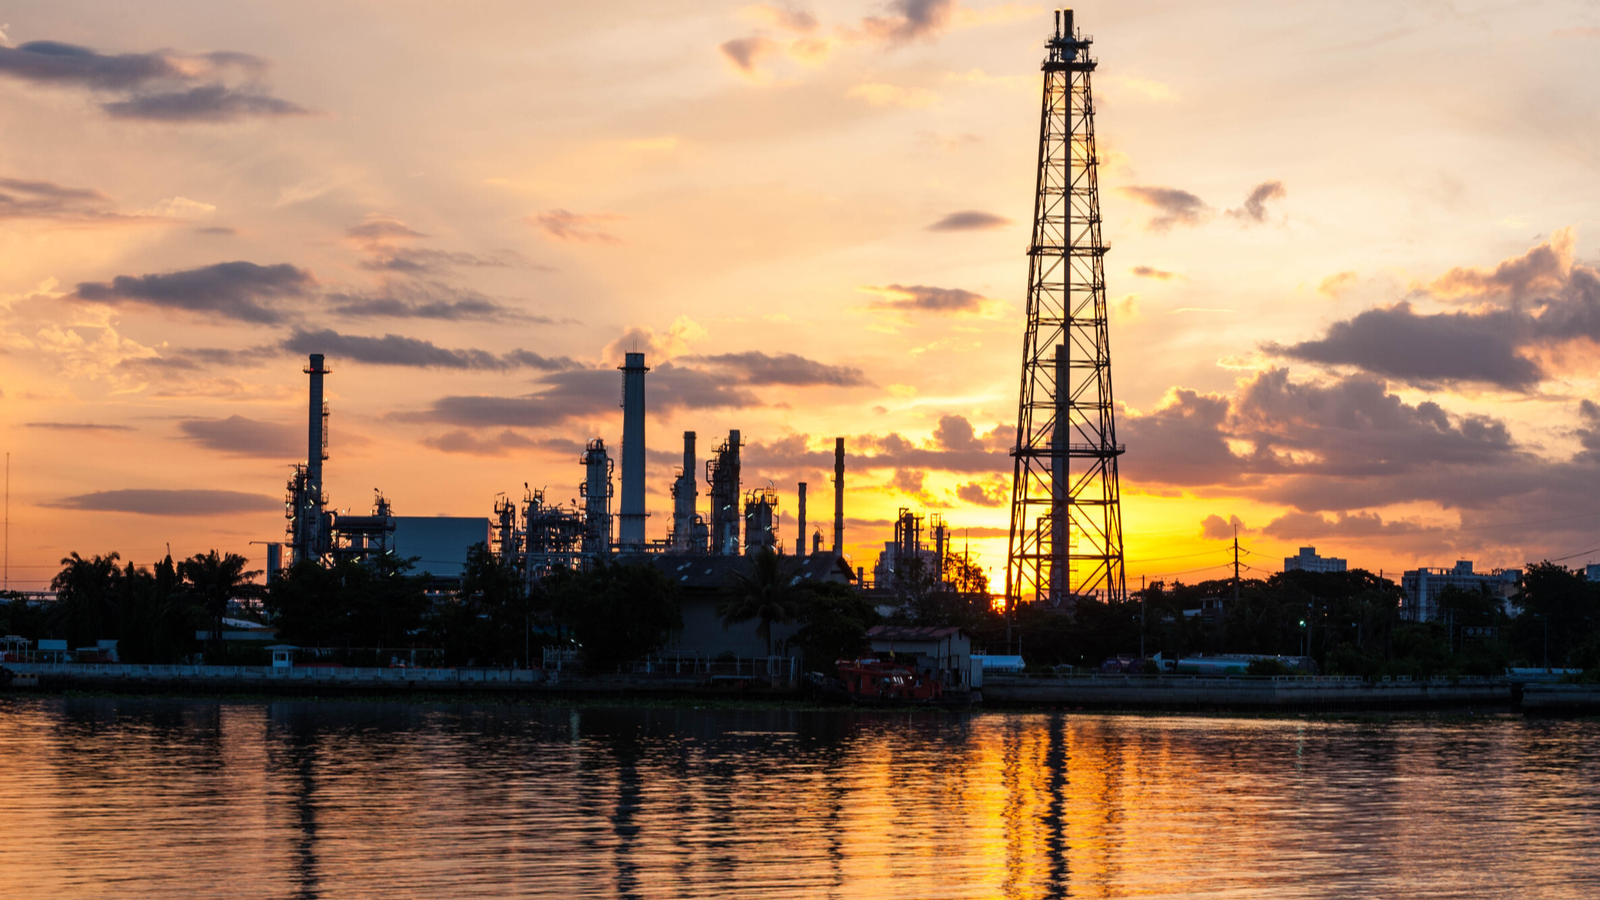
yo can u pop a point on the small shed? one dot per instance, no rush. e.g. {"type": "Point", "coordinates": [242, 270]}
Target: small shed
{"type": "Point", "coordinates": [283, 655]}
{"type": "Point", "coordinates": [945, 652]}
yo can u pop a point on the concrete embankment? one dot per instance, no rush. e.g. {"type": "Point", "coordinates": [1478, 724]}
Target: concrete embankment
{"type": "Point", "coordinates": [1288, 694]}
{"type": "Point", "coordinates": [332, 681]}
{"type": "Point", "coordinates": [1561, 699]}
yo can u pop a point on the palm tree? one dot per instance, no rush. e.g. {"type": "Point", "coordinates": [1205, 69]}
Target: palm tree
{"type": "Point", "coordinates": [769, 590]}
{"type": "Point", "coordinates": [216, 579]}
{"type": "Point", "coordinates": [84, 589]}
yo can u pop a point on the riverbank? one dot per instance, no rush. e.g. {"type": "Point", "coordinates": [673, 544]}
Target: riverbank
{"type": "Point", "coordinates": [1181, 694]}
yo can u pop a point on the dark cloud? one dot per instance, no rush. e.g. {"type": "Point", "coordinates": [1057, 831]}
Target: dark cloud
{"type": "Point", "coordinates": [22, 198]}
{"type": "Point", "coordinates": [158, 86]}
{"type": "Point", "coordinates": [909, 20]}
{"type": "Point", "coordinates": [1302, 526]}
{"type": "Point", "coordinates": [397, 350]}
{"type": "Point", "coordinates": [239, 436]}
{"type": "Point", "coordinates": [1148, 272]}
{"type": "Point", "coordinates": [982, 454]}
{"type": "Point", "coordinates": [795, 20]}
{"type": "Point", "coordinates": [956, 433]}
{"type": "Point", "coordinates": [50, 62]}
{"type": "Point", "coordinates": [992, 494]}
{"type": "Point", "coordinates": [570, 227]}
{"type": "Point", "coordinates": [218, 230]}
{"type": "Point", "coordinates": [1427, 350]}
{"type": "Point", "coordinates": [1181, 442]}
{"type": "Point", "coordinates": [1173, 206]}
{"type": "Point", "coordinates": [172, 503]}
{"type": "Point", "coordinates": [77, 426]}
{"type": "Point", "coordinates": [586, 393]}
{"type": "Point", "coordinates": [411, 299]}
{"type": "Point", "coordinates": [922, 298]}
{"type": "Point", "coordinates": [756, 368]}
{"type": "Point", "coordinates": [746, 52]}
{"type": "Point", "coordinates": [416, 260]}
{"type": "Point", "coordinates": [969, 220]}
{"type": "Point", "coordinates": [206, 103]}
{"type": "Point", "coordinates": [231, 290]}
{"type": "Point", "coordinates": [382, 228]}
{"type": "Point", "coordinates": [1255, 205]}
{"type": "Point", "coordinates": [1497, 344]}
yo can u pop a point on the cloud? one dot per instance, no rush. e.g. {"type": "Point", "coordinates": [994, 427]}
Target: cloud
{"type": "Point", "coordinates": [571, 227]}
{"type": "Point", "coordinates": [1426, 350]}
{"type": "Point", "coordinates": [231, 290]}
{"type": "Point", "coordinates": [1528, 306]}
{"type": "Point", "coordinates": [1173, 206]}
{"type": "Point", "coordinates": [76, 426]}
{"type": "Point", "coordinates": [1336, 284]}
{"type": "Point", "coordinates": [424, 300]}
{"type": "Point", "coordinates": [22, 198]}
{"type": "Point", "coordinates": [378, 228]}
{"type": "Point", "coordinates": [1216, 528]}
{"type": "Point", "coordinates": [1157, 274]}
{"type": "Point", "coordinates": [586, 393]}
{"type": "Point", "coordinates": [674, 342]}
{"type": "Point", "coordinates": [1255, 205]}
{"type": "Point", "coordinates": [1544, 268]}
{"type": "Point", "coordinates": [151, 502]}
{"type": "Point", "coordinates": [159, 86]}
{"type": "Point", "coordinates": [469, 444]}
{"type": "Point", "coordinates": [397, 350]}
{"type": "Point", "coordinates": [747, 52]}
{"type": "Point", "coordinates": [969, 220]}
{"type": "Point", "coordinates": [992, 494]}
{"type": "Point", "coordinates": [757, 368]}
{"type": "Point", "coordinates": [1302, 526]}
{"type": "Point", "coordinates": [239, 436]}
{"type": "Point", "coordinates": [923, 298]}
{"type": "Point", "coordinates": [910, 20]}
{"type": "Point", "coordinates": [949, 451]}
{"type": "Point", "coordinates": [207, 103]}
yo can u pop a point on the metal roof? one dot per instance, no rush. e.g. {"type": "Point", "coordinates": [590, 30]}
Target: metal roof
{"type": "Point", "coordinates": [914, 632]}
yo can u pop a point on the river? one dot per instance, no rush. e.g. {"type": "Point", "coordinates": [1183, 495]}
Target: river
{"type": "Point", "coordinates": [133, 798]}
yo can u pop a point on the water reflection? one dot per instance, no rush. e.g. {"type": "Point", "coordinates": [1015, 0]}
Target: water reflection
{"type": "Point", "coordinates": [157, 798]}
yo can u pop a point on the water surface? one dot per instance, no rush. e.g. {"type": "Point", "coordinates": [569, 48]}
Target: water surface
{"type": "Point", "coordinates": [134, 798]}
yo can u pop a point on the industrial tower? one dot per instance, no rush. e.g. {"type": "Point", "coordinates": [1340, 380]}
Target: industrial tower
{"type": "Point", "coordinates": [1066, 519]}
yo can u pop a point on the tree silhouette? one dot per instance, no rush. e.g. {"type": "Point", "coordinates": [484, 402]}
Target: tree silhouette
{"type": "Point", "coordinates": [768, 590]}
{"type": "Point", "coordinates": [216, 579]}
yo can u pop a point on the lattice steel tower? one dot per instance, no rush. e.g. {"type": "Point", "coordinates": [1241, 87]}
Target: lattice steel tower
{"type": "Point", "coordinates": [1066, 511]}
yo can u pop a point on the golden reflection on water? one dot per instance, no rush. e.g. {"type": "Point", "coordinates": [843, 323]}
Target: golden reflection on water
{"type": "Point", "coordinates": [163, 798]}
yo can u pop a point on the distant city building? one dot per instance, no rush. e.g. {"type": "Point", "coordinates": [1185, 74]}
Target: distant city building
{"type": "Point", "coordinates": [1592, 571]}
{"type": "Point", "coordinates": [1309, 561]}
{"type": "Point", "coordinates": [1422, 587]}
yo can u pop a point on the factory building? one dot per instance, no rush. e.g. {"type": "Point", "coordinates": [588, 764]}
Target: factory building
{"type": "Point", "coordinates": [700, 552]}
{"type": "Point", "coordinates": [1308, 561]}
{"type": "Point", "coordinates": [1422, 587]}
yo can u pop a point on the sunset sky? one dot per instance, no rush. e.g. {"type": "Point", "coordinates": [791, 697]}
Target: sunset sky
{"type": "Point", "coordinates": [1352, 268]}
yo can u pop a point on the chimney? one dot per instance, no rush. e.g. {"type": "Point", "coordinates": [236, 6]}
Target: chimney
{"type": "Point", "coordinates": [838, 497]}
{"type": "Point", "coordinates": [631, 530]}
{"type": "Point", "coordinates": [317, 433]}
{"type": "Point", "coordinates": [800, 544]}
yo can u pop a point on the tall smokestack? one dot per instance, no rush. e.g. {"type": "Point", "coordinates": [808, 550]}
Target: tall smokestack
{"type": "Point", "coordinates": [317, 433]}
{"type": "Point", "coordinates": [838, 496]}
{"type": "Point", "coordinates": [631, 530]}
{"type": "Point", "coordinates": [800, 543]}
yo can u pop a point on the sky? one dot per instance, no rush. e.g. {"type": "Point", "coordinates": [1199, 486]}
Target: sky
{"type": "Point", "coordinates": [1352, 278]}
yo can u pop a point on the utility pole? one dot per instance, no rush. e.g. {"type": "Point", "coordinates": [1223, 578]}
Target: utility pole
{"type": "Point", "coordinates": [1236, 565]}
{"type": "Point", "coordinates": [1141, 617]}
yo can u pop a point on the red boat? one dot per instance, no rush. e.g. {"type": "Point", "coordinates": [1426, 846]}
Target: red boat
{"type": "Point", "coordinates": [876, 681]}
